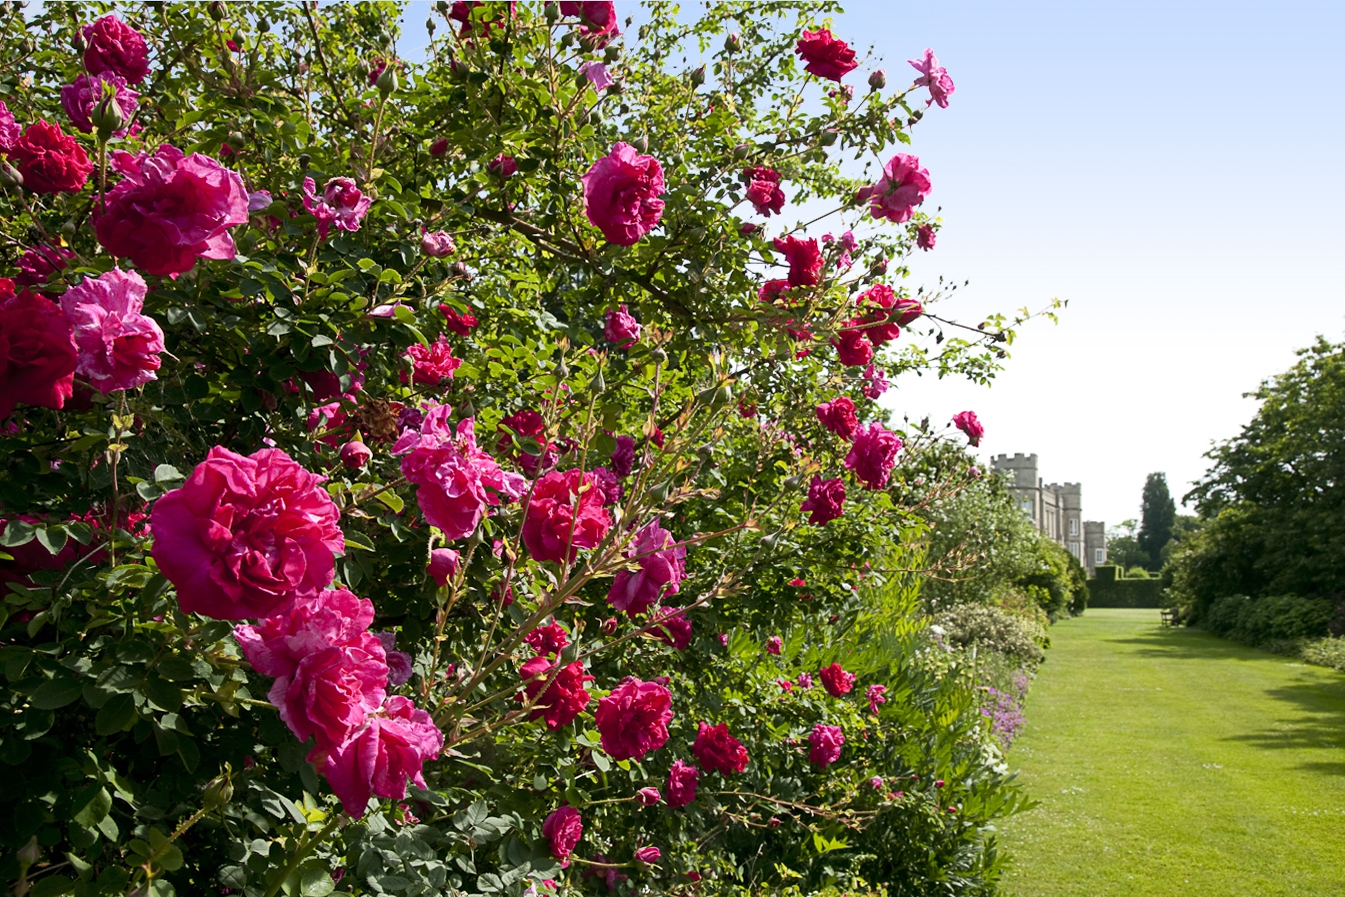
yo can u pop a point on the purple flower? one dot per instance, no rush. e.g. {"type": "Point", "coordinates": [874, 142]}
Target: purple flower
{"type": "Point", "coordinates": [342, 204]}
{"type": "Point", "coordinates": [399, 662]}
{"type": "Point", "coordinates": [79, 98]}
{"type": "Point", "coordinates": [597, 75]}
{"type": "Point", "coordinates": [9, 129]}
{"type": "Point", "coordinates": [623, 457]}
{"type": "Point", "coordinates": [259, 200]}
{"type": "Point", "coordinates": [935, 77]}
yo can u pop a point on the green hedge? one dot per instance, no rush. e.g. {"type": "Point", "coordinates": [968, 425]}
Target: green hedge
{"type": "Point", "coordinates": [1111, 588]}
{"type": "Point", "coordinates": [1260, 620]}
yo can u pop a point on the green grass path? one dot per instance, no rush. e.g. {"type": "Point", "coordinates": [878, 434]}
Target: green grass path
{"type": "Point", "coordinates": [1171, 762]}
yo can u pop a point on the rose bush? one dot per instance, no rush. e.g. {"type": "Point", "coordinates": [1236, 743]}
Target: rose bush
{"type": "Point", "coordinates": [227, 499]}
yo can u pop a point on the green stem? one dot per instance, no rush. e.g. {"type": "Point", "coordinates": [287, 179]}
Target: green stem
{"type": "Point", "coordinates": [306, 847]}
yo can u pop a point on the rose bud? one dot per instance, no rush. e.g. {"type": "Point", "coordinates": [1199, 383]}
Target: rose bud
{"type": "Point", "coordinates": [647, 797]}
{"type": "Point", "coordinates": [878, 80]}
{"type": "Point", "coordinates": [443, 565]}
{"type": "Point", "coordinates": [355, 454]}
{"type": "Point", "coordinates": [437, 244]}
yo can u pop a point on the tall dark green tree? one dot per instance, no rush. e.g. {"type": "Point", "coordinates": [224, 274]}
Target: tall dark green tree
{"type": "Point", "coordinates": [1157, 514]}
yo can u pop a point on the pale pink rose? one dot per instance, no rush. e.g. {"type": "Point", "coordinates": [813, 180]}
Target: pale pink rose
{"type": "Point", "coordinates": [597, 75]}
{"type": "Point", "coordinates": [342, 204]}
{"type": "Point", "coordinates": [621, 195]}
{"type": "Point", "coordinates": [935, 77]}
{"type": "Point", "coordinates": [381, 758]}
{"type": "Point", "coordinates": [904, 186]}
{"type": "Point", "coordinates": [118, 346]}
{"type": "Point", "coordinates": [662, 569]}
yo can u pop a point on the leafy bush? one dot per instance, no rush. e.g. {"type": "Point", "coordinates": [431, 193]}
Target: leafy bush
{"type": "Point", "coordinates": [991, 629]}
{"type": "Point", "coordinates": [1327, 652]}
{"type": "Point", "coordinates": [1279, 617]}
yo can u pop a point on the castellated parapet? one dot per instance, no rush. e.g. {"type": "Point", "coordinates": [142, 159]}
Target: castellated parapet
{"type": "Point", "coordinates": [1055, 508]}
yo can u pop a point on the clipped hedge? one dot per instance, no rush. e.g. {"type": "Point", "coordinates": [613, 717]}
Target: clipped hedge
{"type": "Point", "coordinates": [1257, 621]}
{"type": "Point", "coordinates": [1112, 588]}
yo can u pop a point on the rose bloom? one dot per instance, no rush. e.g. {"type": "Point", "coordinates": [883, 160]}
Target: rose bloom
{"type": "Point", "coordinates": [621, 195]}
{"type": "Point", "coordinates": [443, 566]}
{"type": "Point", "coordinates": [648, 797]}
{"type": "Point", "coordinates": [763, 190]}
{"type": "Point", "coordinates": [113, 46]}
{"type": "Point", "coordinates": [400, 664]}
{"type": "Point", "coordinates": [875, 382]}
{"type": "Point", "coordinates": [439, 147]}
{"type": "Point", "coordinates": [623, 456]}
{"type": "Point", "coordinates": [662, 569]}
{"type": "Point", "coordinates": [170, 209]}
{"type": "Point", "coordinates": [333, 690]}
{"type": "Point", "coordinates": [342, 204]}
{"type": "Point", "coordinates": [904, 186]}
{"type": "Point", "coordinates": [50, 160]}
{"type": "Point", "coordinates": [37, 265]}
{"type": "Point", "coordinates": [804, 258]}
{"type": "Point", "coordinates": [873, 454]}
{"type": "Point", "coordinates": [648, 855]}
{"type": "Point", "coordinates": [608, 485]}
{"type": "Point", "coordinates": [599, 18]}
{"type": "Point", "coordinates": [966, 422]}
{"type": "Point", "coordinates": [549, 639]}
{"type": "Point", "coordinates": [563, 700]}
{"type": "Point", "coordinates": [118, 346]}
{"type": "Point", "coordinates": [390, 751]}
{"type": "Point", "coordinates": [852, 348]}
{"type": "Point", "coordinates": [773, 644]}
{"type": "Point", "coordinates": [805, 680]}
{"type": "Point", "coordinates": [925, 237]}
{"type": "Point", "coordinates": [37, 351]}
{"type": "Point", "coordinates": [529, 424]}
{"type": "Point", "coordinates": [826, 56]}
{"type": "Point", "coordinates": [79, 98]}
{"type": "Point", "coordinates": [597, 75]}
{"type": "Point", "coordinates": [874, 694]}
{"type": "Point", "coordinates": [673, 627]}
{"type": "Point", "coordinates": [457, 322]}
{"type": "Point", "coordinates": [825, 501]}
{"type": "Point", "coordinates": [433, 364]}
{"type": "Point", "coordinates": [621, 328]}
{"type": "Point", "coordinates": [718, 751]}
{"type": "Point", "coordinates": [825, 745]}
{"type": "Point", "coordinates": [935, 77]}
{"type": "Point", "coordinates": [557, 524]}
{"type": "Point", "coordinates": [682, 779]}
{"type": "Point", "coordinates": [246, 536]}
{"type": "Point", "coordinates": [502, 166]}
{"type": "Point", "coordinates": [879, 327]}
{"type": "Point", "coordinates": [355, 454]}
{"type": "Point", "coordinates": [277, 644]}
{"type": "Point", "coordinates": [838, 416]}
{"type": "Point", "coordinates": [563, 828]}
{"type": "Point", "coordinates": [437, 244]}
{"type": "Point", "coordinates": [836, 680]}
{"type": "Point", "coordinates": [9, 129]}
{"type": "Point", "coordinates": [634, 719]}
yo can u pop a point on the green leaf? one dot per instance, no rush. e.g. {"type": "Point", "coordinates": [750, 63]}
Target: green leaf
{"type": "Point", "coordinates": [98, 805]}
{"type": "Point", "coordinates": [360, 541]}
{"type": "Point", "coordinates": [53, 539]}
{"type": "Point", "coordinates": [392, 500]}
{"type": "Point", "coordinates": [18, 533]}
{"type": "Point", "coordinates": [52, 886]}
{"type": "Point", "coordinates": [56, 693]}
{"type": "Point", "coordinates": [117, 714]}
{"type": "Point", "coordinates": [168, 476]}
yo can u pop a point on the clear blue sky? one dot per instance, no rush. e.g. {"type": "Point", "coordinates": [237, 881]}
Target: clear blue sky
{"type": "Point", "coordinates": [1173, 169]}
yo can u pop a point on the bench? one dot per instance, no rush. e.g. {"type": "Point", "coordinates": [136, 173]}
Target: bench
{"type": "Point", "coordinates": [1169, 616]}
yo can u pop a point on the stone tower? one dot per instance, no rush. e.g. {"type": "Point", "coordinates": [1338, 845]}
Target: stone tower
{"type": "Point", "coordinates": [1056, 509]}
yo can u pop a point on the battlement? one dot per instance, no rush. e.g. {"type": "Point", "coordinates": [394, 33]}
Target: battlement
{"type": "Point", "coordinates": [1017, 460]}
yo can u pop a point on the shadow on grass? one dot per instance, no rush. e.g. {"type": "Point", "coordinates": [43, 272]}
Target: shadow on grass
{"type": "Point", "coordinates": [1188, 644]}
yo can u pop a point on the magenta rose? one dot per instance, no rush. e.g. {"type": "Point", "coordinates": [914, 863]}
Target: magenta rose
{"type": "Point", "coordinates": [401, 666]}
{"type": "Point", "coordinates": [333, 690]}
{"type": "Point", "coordinates": [549, 639]}
{"type": "Point", "coordinates": [443, 566]}
{"type": "Point", "coordinates": [331, 617]}
{"type": "Point", "coordinates": [37, 265]}
{"type": "Point", "coordinates": [9, 129]}
{"type": "Point", "coordinates": [342, 204]}
{"type": "Point", "coordinates": [621, 328]}
{"type": "Point", "coordinates": [774, 644]}
{"type": "Point", "coordinates": [838, 416]}
{"type": "Point", "coordinates": [563, 827]}
{"type": "Point", "coordinates": [502, 166]}
{"type": "Point", "coordinates": [966, 422]}
{"type": "Point", "coordinates": [825, 745]}
{"type": "Point", "coordinates": [718, 751]}
{"type": "Point", "coordinates": [633, 719]}
{"type": "Point", "coordinates": [623, 456]}
{"type": "Point", "coordinates": [804, 258]}
{"type": "Point", "coordinates": [37, 351]}
{"type": "Point", "coordinates": [118, 346]}
{"type": "Point", "coordinates": [355, 454]}
{"type": "Point", "coordinates": [852, 348]}
{"type": "Point", "coordinates": [50, 160]}
{"type": "Point", "coordinates": [113, 46]}
{"type": "Point", "coordinates": [457, 322]}
{"type": "Point", "coordinates": [608, 485]}
{"type": "Point", "coordinates": [935, 77]}
{"type": "Point", "coordinates": [662, 569]}
{"type": "Point", "coordinates": [599, 18]}
{"type": "Point", "coordinates": [565, 513]}
{"type": "Point", "coordinates": [874, 695]}
{"type": "Point", "coordinates": [648, 855]}
{"type": "Point", "coordinates": [904, 186]}
{"type": "Point", "coordinates": [521, 426]}
{"type": "Point", "coordinates": [382, 757]}
{"type": "Point", "coordinates": [648, 797]}
{"type": "Point", "coordinates": [433, 364]}
{"type": "Point", "coordinates": [563, 700]}
{"type": "Point", "coordinates": [763, 190]}
{"type": "Point", "coordinates": [875, 382]}
{"type": "Point", "coordinates": [673, 627]}
{"type": "Point", "coordinates": [246, 536]}
{"type": "Point", "coordinates": [79, 98]}
{"type": "Point", "coordinates": [925, 237]}
{"type": "Point", "coordinates": [878, 327]}
{"type": "Point", "coordinates": [873, 454]}
{"type": "Point", "coordinates": [825, 56]}
{"type": "Point", "coordinates": [682, 779]}
{"type": "Point", "coordinates": [836, 680]}
{"type": "Point", "coordinates": [171, 209]}
{"type": "Point", "coordinates": [621, 195]}
{"type": "Point", "coordinates": [825, 501]}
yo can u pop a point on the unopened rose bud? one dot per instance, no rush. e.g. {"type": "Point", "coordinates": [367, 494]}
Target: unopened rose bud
{"type": "Point", "coordinates": [609, 626]}
{"type": "Point", "coordinates": [443, 566]}
{"type": "Point", "coordinates": [437, 244]}
{"type": "Point", "coordinates": [78, 41]}
{"type": "Point", "coordinates": [641, 143]}
{"type": "Point", "coordinates": [29, 853]}
{"type": "Point", "coordinates": [748, 229]}
{"type": "Point", "coordinates": [387, 82]}
{"type": "Point", "coordinates": [439, 147]}
{"type": "Point", "coordinates": [612, 53]}
{"type": "Point", "coordinates": [659, 356]}
{"type": "Point", "coordinates": [647, 797]}
{"type": "Point", "coordinates": [107, 117]}
{"type": "Point", "coordinates": [742, 151]}
{"type": "Point", "coordinates": [429, 26]}
{"type": "Point", "coordinates": [218, 792]}
{"type": "Point", "coordinates": [441, 6]}
{"type": "Point", "coordinates": [355, 454]}
{"type": "Point", "coordinates": [304, 160]}
{"type": "Point", "coordinates": [733, 42]}
{"type": "Point", "coordinates": [235, 139]}
{"type": "Point", "coordinates": [216, 10]}
{"type": "Point", "coordinates": [551, 11]}
{"type": "Point", "coordinates": [878, 80]}
{"type": "Point", "coordinates": [263, 25]}
{"type": "Point", "coordinates": [698, 77]}
{"type": "Point", "coordinates": [9, 176]}
{"type": "Point", "coordinates": [561, 370]}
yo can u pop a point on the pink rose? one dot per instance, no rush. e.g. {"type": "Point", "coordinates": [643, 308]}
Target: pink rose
{"type": "Point", "coordinates": [874, 694]}
{"type": "Point", "coordinates": [623, 456]}
{"type": "Point", "coordinates": [621, 195]}
{"type": "Point", "coordinates": [805, 680]}
{"type": "Point", "coordinates": [37, 265]}
{"type": "Point", "coordinates": [118, 346]}
{"type": "Point", "coordinates": [966, 422]}
{"type": "Point", "coordinates": [563, 828]}
{"type": "Point", "coordinates": [804, 258]}
{"type": "Point", "coordinates": [563, 700]}
{"type": "Point", "coordinates": [342, 204]}
{"type": "Point", "coordinates": [825, 501]}
{"type": "Point", "coordinates": [908, 310]}
{"type": "Point", "coordinates": [9, 129]}
{"type": "Point", "coordinates": [246, 536]}
{"type": "Point", "coordinates": [673, 627]}
{"type": "Point", "coordinates": [608, 485]}
{"type": "Point", "coordinates": [875, 382]}
{"type": "Point", "coordinates": [773, 644]}
{"type": "Point", "coordinates": [433, 364]}
{"type": "Point", "coordinates": [825, 745]}
{"type": "Point", "coordinates": [925, 237]}
{"type": "Point", "coordinates": [457, 322]}
{"type": "Point", "coordinates": [718, 751]}
{"type": "Point", "coordinates": [682, 780]}
{"type": "Point", "coordinates": [79, 98]}
{"type": "Point", "coordinates": [565, 513]}
{"type": "Point", "coordinates": [50, 160]}
{"type": "Point", "coordinates": [904, 186]}
{"type": "Point", "coordinates": [443, 566]}
{"type": "Point", "coordinates": [873, 454]}
{"type": "Point", "coordinates": [597, 75]}
{"type": "Point", "coordinates": [439, 147]}
{"type": "Point", "coordinates": [549, 639]}
{"type": "Point", "coordinates": [648, 855]}
{"type": "Point", "coordinates": [876, 783]}
{"type": "Point", "coordinates": [401, 666]}
{"type": "Point", "coordinates": [527, 428]}
{"type": "Point", "coordinates": [333, 690]}
{"type": "Point", "coordinates": [648, 797]}
{"type": "Point", "coordinates": [355, 454]}
{"type": "Point", "coordinates": [170, 209]}
{"type": "Point", "coordinates": [599, 18]}
{"type": "Point", "coordinates": [879, 327]}
{"type": "Point", "coordinates": [390, 751]}
{"type": "Point", "coordinates": [935, 77]}
{"type": "Point", "coordinates": [113, 46]}
{"type": "Point", "coordinates": [662, 569]}
{"type": "Point", "coordinates": [502, 166]}
{"type": "Point", "coordinates": [621, 328]}
{"type": "Point", "coordinates": [836, 680]}
{"type": "Point", "coordinates": [437, 244]}
{"type": "Point", "coordinates": [852, 348]}
{"type": "Point", "coordinates": [763, 190]}
{"type": "Point", "coordinates": [331, 617]}
{"type": "Point", "coordinates": [37, 351]}
{"type": "Point", "coordinates": [633, 719]}
{"type": "Point", "coordinates": [826, 56]}
{"type": "Point", "coordinates": [838, 416]}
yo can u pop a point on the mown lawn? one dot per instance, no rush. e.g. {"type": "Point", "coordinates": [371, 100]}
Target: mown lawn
{"type": "Point", "coordinates": [1171, 762]}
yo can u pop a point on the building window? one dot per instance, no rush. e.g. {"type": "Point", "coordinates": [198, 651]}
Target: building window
{"type": "Point", "coordinates": [1074, 549]}
{"type": "Point", "coordinates": [1074, 526]}
{"type": "Point", "coordinates": [1099, 556]}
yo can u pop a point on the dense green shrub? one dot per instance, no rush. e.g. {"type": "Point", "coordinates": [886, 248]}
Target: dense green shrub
{"type": "Point", "coordinates": [1112, 587]}
{"type": "Point", "coordinates": [991, 629]}
{"type": "Point", "coordinates": [1327, 652]}
{"type": "Point", "coordinates": [1274, 618]}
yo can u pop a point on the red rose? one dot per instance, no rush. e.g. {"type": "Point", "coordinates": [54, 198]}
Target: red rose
{"type": "Point", "coordinates": [718, 751]}
{"type": "Point", "coordinates": [836, 680]}
{"type": "Point", "coordinates": [563, 700]}
{"type": "Point", "coordinates": [682, 779]}
{"type": "Point", "coordinates": [634, 719]}
{"type": "Point", "coordinates": [433, 364]}
{"type": "Point", "coordinates": [877, 324]}
{"type": "Point", "coordinates": [599, 17]}
{"type": "Point", "coordinates": [460, 323]}
{"type": "Point", "coordinates": [50, 160]}
{"type": "Point", "coordinates": [37, 351]}
{"type": "Point", "coordinates": [563, 828]}
{"type": "Point", "coordinates": [826, 56]}
{"type": "Point", "coordinates": [763, 190]}
{"type": "Point", "coordinates": [113, 46]}
{"type": "Point", "coordinates": [851, 347]}
{"type": "Point", "coordinates": [547, 639]}
{"type": "Point", "coordinates": [804, 258]}
{"type": "Point", "coordinates": [839, 417]}
{"type": "Point", "coordinates": [565, 513]}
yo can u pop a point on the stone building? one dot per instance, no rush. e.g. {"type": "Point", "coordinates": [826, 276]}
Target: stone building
{"type": "Point", "coordinates": [1056, 509]}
